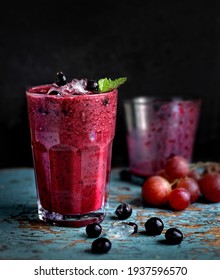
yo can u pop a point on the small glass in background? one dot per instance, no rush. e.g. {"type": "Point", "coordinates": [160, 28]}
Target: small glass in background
{"type": "Point", "coordinates": [158, 129]}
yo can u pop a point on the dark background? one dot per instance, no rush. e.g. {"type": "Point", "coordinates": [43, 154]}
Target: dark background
{"type": "Point", "coordinates": [163, 47]}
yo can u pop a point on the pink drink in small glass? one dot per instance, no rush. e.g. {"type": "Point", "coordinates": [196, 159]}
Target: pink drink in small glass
{"type": "Point", "coordinates": [72, 137]}
{"type": "Point", "coordinates": [162, 129]}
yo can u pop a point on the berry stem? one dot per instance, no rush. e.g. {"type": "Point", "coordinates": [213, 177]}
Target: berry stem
{"type": "Point", "coordinates": [208, 166]}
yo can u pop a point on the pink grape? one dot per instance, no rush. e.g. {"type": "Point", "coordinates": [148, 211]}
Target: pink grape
{"type": "Point", "coordinates": [192, 186]}
{"type": "Point", "coordinates": [156, 190]}
{"type": "Point", "coordinates": [163, 174]}
{"type": "Point", "coordinates": [177, 167]}
{"type": "Point", "coordinates": [210, 186]}
{"type": "Point", "coordinates": [179, 199]}
{"type": "Point", "coordinates": [194, 174]}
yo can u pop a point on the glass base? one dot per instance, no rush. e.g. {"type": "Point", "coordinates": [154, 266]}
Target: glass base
{"type": "Point", "coordinates": [76, 221]}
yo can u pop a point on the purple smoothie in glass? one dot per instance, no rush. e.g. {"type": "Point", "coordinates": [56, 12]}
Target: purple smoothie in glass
{"type": "Point", "coordinates": [158, 129]}
{"type": "Point", "coordinates": [72, 134]}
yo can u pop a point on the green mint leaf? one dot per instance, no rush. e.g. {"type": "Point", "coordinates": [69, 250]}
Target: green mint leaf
{"type": "Point", "coordinates": [106, 84]}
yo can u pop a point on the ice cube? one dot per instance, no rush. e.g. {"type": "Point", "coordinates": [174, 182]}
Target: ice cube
{"type": "Point", "coordinates": [120, 230]}
{"type": "Point", "coordinates": [76, 86]}
{"type": "Point", "coordinates": [54, 216]}
{"type": "Point", "coordinates": [54, 87]}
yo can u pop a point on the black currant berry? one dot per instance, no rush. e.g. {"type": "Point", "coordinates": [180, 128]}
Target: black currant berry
{"type": "Point", "coordinates": [154, 226]}
{"type": "Point", "coordinates": [105, 101]}
{"type": "Point", "coordinates": [123, 211]}
{"type": "Point", "coordinates": [93, 230]}
{"type": "Point", "coordinates": [135, 226]}
{"type": "Point", "coordinates": [54, 92]}
{"type": "Point", "coordinates": [173, 236]}
{"type": "Point", "coordinates": [101, 245]}
{"type": "Point", "coordinates": [92, 85]}
{"type": "Point", "coordinates": [60, 79]}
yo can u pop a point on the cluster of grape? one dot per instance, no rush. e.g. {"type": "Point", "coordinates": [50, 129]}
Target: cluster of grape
{"type": "Point", "coordinates": [178, 185]}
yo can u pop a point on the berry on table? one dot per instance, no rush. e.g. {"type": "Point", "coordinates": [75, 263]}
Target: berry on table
{"type": "Point", "coordinates": [177, 167]}
{"type": "Point", "coordinates": [162, 173]}
{"type": "Point", "coordinates": [101, 245]}
{"type": "Point", "coordinates": [154, 226]}
{"type": "Point", "coordinates": [123, 211]}
{"type": "Point", "coordinates": [191, 185]}
{"type": "Point", "coordinates": [60, 79]}
{"type": "Point", "coordinates": [173, 236]}
{"type": "Point", "coordinates": [156, 190]}
{"type": "Point", "coordinates": [210, 186]}
{"type": "Point", "coordinates": [93, 230]}
{"type": "Point", "coordinates": [179, 199]}
{"type": "Point", "coordinates": [194, 174]}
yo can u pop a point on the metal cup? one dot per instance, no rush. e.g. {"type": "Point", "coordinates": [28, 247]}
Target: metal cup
{"type": "Point", "coordinates": [158, 129]}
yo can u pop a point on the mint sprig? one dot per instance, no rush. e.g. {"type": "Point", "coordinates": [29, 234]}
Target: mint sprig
{"type": "Point", "coordinates": [105, 85]}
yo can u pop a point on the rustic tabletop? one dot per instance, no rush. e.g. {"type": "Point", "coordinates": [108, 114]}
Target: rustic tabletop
{"type": "Point", "coordinates": [23, 236]}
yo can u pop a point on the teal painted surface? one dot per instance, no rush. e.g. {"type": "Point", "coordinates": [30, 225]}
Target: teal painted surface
{"type": "Point", "coordinates": [23, 236]}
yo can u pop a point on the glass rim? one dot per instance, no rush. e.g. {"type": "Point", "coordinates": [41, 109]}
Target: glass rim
{"type": "Point", "coordinates": [151, 99]}
{"type": "Point", "coordinates": [47, 87]}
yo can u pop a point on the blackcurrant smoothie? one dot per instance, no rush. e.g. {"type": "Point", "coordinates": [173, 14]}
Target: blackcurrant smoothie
{"type": "Point", "coordinates": [158, 129]}
{"type": "Point", "coordinates": [72, 131]}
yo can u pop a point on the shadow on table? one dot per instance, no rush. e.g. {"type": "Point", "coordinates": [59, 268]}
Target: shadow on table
{"type": "Point", "coordinates": [20, 212]}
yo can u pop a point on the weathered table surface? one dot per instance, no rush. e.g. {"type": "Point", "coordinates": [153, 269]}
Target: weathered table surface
{"type": "Point", "coordinates": [23, 236]}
